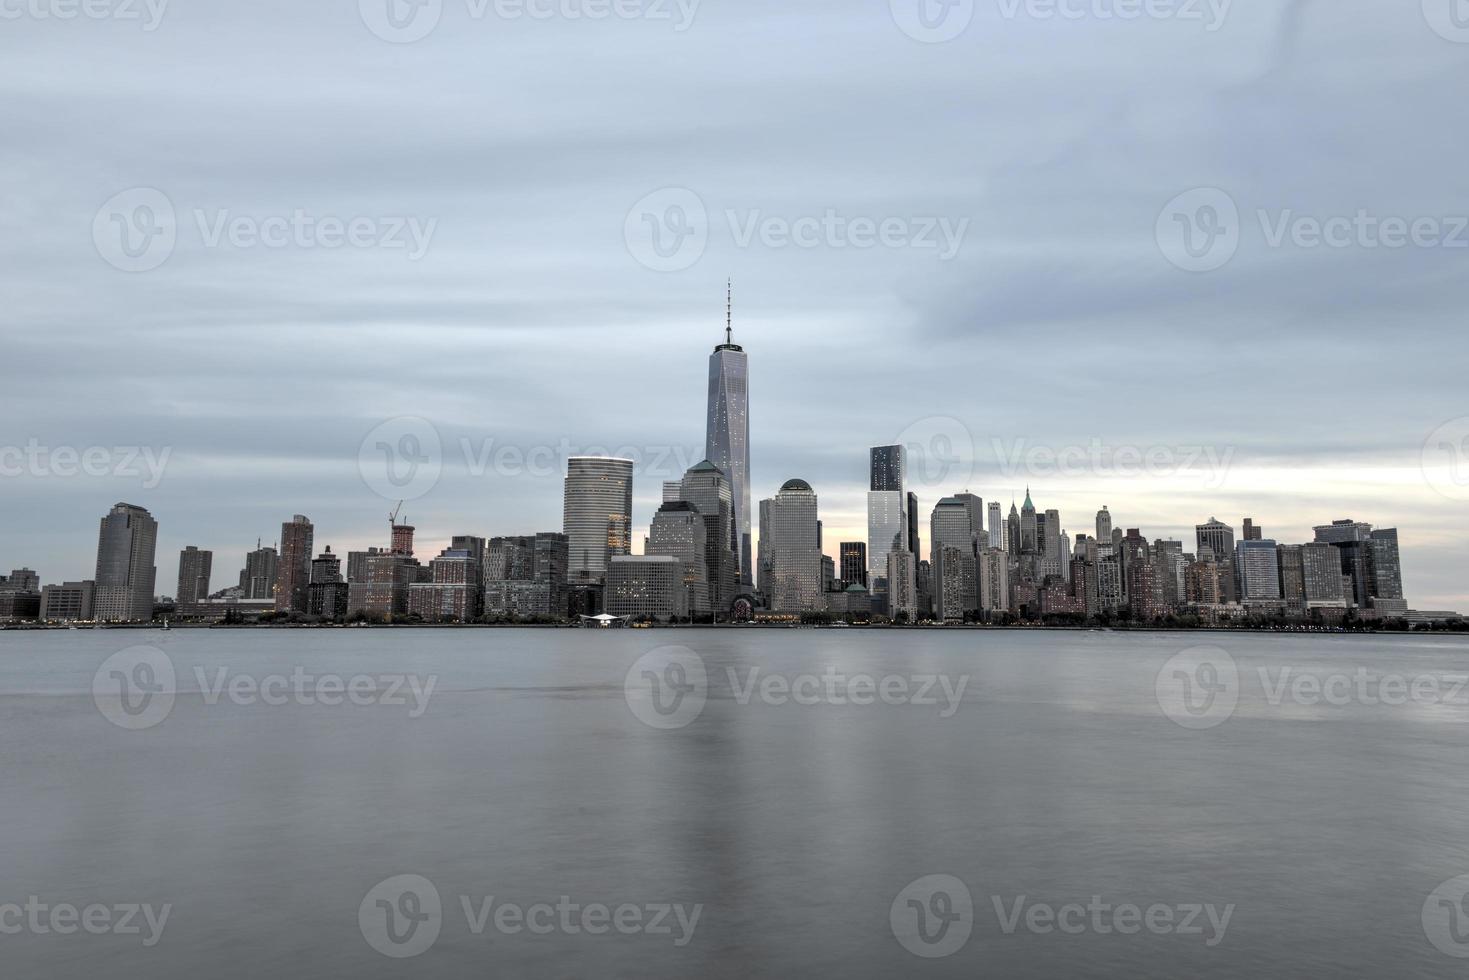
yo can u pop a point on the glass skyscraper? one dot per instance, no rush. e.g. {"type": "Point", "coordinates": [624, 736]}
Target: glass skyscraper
{"type": "Point", "coordinates": [791, 544]}
{"type": "Point", "coordinates": [596, 514]}
{"type": "Point", "coordinates": [125, 570]}
{"type": "Point", "coordinates": [727, 434]}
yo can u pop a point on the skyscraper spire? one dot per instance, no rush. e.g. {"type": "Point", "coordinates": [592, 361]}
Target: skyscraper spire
{"type": "Point", "coordinates": [729, 310]}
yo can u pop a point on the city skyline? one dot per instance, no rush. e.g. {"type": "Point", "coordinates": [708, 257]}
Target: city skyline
{"type": "Point", "coordinates": [598, 521]}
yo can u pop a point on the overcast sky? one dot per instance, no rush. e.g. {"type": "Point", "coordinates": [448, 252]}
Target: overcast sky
{"type": "Point", "coordinates": [959, 227]}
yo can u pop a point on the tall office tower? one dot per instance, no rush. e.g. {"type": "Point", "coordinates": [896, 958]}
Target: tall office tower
{"type": "Point", "coordinates": [194, 568]}
{"type": "Point", "coordinates": [727, 433]}
{"type": "Point", "coordinates": [1110, 593]}
{"type": "Point", "coordinates": [953, 536]}
{"type": "Point", "coordinates": [125, 570]}
{"type": "Point", "coordinates": [708, 488]}
{"type": "Point", "coordinates": [1321, 575]}
{"type": "Point", "coordinates": [294, 573]}
{"type": "Point", "coordinates": [1012, 532]}
{"type": "Point", "coordinates": [1050, 544]}
{"type": "Point", "coordinates": [596, 514]}
{"type": "Point", "coordinates": [1104, 524]}
{"type": "Point", "coordinates": [1170, 563]}
{"type": "Point", "coordinates": [327, 592]}
{"type": "Point", "coordinates": [1385, 569]}
{"type": "Point", "coordinates": [914, 539]}
{"type": "Point", "coordinates": [887, 519]}
{"type": "Point", "coordinates": [996, 525]}
{"type": "Point", "coordinates": [854, 562]}
{"type": "Point", "coordinates": [1028, 543]}
{"type": "Point", "coordinates": [888, 468]}
{"type": "Point", "coordinates": [902, 579]}
{"type": "Point", "coordinates": [672, 490]}
{"type": "Point", "coordinates": [1351, 538]}
{"type": "Point", "coordinates": [257, 578]}
{"type": "Point", "coordinates": [1292, 579]}
{"type": "Point", "coordinates": [326, 568]}
{"type": "Point", "coordinates": [357, 563]}
{"type": "Point", "coordinates": [788, 537]}
{"type": "Point", "coordinates": [1220, 539]}
{"type": "Point", "coordinates": [1251, 532]}
{"type": "Point", "coordinates": [828, 573]}
{"type": "Point", "coordinates": [472, 543]}
{"type": "Point", "coordinates": [1201, 580]}
{"type": "Point", "coordinates": [1258, 567]}
{"type": "Point", "coordinates": [994, 581]}
{"type": "Point", "coordinates": [679, 530]}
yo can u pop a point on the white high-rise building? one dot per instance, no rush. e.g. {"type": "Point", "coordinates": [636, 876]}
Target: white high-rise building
{"type": "Point", "coordinates": [996, 525]}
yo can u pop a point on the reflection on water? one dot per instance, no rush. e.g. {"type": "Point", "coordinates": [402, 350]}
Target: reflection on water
{"type": "Point", "coordinates": [780, 829]}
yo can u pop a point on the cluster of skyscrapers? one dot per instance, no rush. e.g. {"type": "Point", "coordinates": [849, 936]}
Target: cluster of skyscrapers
{"type": "Point", "coordinates": [700, 561]}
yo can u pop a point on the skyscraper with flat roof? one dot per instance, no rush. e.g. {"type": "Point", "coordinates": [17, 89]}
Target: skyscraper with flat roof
{"type": "Point", "coordinates": [294, 573]}
{"type": "Point", "coordinates": [194, 569]}
{"type": "Point", "coordinates": [596, 514]}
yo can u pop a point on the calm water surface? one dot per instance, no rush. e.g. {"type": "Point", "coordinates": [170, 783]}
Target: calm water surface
{"type": "Point", "coordinates": [527, 776]}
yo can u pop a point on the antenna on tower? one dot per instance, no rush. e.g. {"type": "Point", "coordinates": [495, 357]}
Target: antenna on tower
{"type": "Point", "coordinates": [729, 310]}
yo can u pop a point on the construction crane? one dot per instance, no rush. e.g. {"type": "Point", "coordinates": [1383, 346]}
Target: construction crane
{"type": "Point", "coordinates": [392, 523]}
